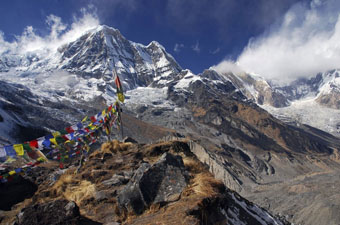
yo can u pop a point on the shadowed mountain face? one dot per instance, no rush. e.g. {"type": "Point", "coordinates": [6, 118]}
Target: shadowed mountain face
{"type": "Point", "coordinates": [243, 145]}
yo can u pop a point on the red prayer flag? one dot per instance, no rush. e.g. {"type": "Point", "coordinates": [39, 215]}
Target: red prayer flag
{"type": "Point", "coordinates": [32, 155]}
{"type": "Point", "coordinates": [69, 130]}
{"type": "Point", "coordinates": [65, 138]}
{"type": "Point", "coordinates": [118, 84]}
{"type": "Point", "coordinates": [34, 144]}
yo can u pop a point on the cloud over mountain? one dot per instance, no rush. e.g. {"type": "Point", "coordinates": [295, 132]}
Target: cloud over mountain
{"type": "Point", "coordinates": [303, 43]}
{"type": "Point", "coordinates": [59, 34]}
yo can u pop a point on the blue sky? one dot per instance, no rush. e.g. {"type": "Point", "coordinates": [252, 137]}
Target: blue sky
{"type": "Point", "coordinates": [278, 39]}
{"type": "Point", "coordinates": [205, 32]}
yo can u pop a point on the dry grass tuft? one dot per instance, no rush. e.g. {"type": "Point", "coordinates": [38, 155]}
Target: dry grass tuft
{"type": "Point", "coordinates": [83, 190]}
{"type": "Point", "coordinates": [204, 184]}
{"type": "Point", "coordinates": [192, 165]}
{"type": "Point", "coordinates": [115, 146]}
{"type": "Point", "coordinates": [73, 189]}
{"type": "Point", "coordinates": [111, 148]}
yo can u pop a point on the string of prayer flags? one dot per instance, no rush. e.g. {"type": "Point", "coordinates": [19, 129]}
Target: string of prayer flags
{"type": "Point", "coordinates": [9, 175]}
{"type": "Point", "coordinates": [65, 143]}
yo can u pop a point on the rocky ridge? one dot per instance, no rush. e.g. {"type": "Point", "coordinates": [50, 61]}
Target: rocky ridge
{"type": "Point", "coordinates": [113, 187]}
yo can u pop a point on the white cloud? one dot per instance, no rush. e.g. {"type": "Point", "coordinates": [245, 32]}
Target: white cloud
{"type": "Point", "coordinates": [304, 43]}
{"type": "Point", "coordinates": [227, 66]}
{"type": "Point", "coordinates": [196, 47]}
{"type": "Point", "coordinates": [59, 34]}
{"type": "Point", "coordinates": [178, 47]}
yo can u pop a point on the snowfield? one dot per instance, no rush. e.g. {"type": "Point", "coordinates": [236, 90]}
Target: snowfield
{"type": "Point", "coordinates": [307, 111]}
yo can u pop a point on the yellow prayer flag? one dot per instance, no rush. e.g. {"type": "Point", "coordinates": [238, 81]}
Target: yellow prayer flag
{"type": "Point", "coordinates": [41, 159]}
{"type": "Point", "coordinates": [54, 141]}
{"type": "Point", "coordinates": [56, 134]}
{"type": "Point", "coordinates": [121, 97]}
{"type": "Point", "coordinates": [19, 149]}
{"type": "Point", "coordinates": [85, 118]}
{"type": "Point", "coordinates": [12, 172]}
{"type": "Point", "coordinates": [104, 112]}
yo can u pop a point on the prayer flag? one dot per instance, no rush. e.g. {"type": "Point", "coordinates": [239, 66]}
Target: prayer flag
{"type": "Point", "coordinates": [69, 130]}
{"type": "Point", "coordinates": [119, 87]}
{"type": "Point", "coordinates": [63, 132]}
{"type": "Point", "coordinates": [85, 118]}
{"type": "Point", "coordinates": [34, 144]}
{"type": "Point", "coordinates": [19, 149]}
{"type": "Point", "coordinates": [47, 143]}
{"type": "Point", "coordinates": [2, 152]}
{"type": "Point", "coordinates": [10, 151]}
{"type": "Point", "coordinates": [56, 134]}
{"type": "Point", "coordinates": [53, 141]}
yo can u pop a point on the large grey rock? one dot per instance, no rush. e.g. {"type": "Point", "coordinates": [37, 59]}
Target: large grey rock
{"type": "Point", "coordinates": [52, 213]}
{"type": "Point", "coordinates": [16, 191]}
{"type": "Point", "coordinates": [160, 183]}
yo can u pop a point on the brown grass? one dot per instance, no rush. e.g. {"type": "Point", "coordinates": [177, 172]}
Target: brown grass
{"type": "Point", "coordinates": [73, 189]}
{"type": "Point", "coordinates": [204, 184]}
{"type": "Point", "coordinates": [111, 148]}
{"type": "Point", "coordinates": [193, 165]}
{"type": "Point", "coordinates": [199, 111]}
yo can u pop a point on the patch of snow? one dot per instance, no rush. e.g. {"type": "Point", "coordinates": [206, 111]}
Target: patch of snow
{"type": "Point", "coordinates": [260, 215]}
{"type": "Point", "coordinates": [187, 80]}
{"type": "Point", "coordinates": [147, 96]}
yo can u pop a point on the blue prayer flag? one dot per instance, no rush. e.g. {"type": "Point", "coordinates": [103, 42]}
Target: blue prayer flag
{"type": "Point", "coordinates": [10, 151]}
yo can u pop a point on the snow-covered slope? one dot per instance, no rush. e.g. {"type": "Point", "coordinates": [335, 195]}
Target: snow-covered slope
{"type": "Point", "coordinates": [86, 64]}
{"type": "Point", "coordinates": [314, 101]}
{"type": "Point", "coordinates": [77, 78]}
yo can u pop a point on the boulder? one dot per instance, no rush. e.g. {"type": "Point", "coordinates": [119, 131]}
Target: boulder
{"type": "Point", "coordinates": [161, 183]}
{"type": "Point", "coordinates": [15, 191]}
{"type": "Point", "coordinates": [53, 213]}
{"type": "Point", "coordinates": [129, 139]}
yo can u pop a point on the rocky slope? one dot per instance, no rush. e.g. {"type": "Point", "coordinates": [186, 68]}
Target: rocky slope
{"type": "Point", "coordinates": [313, 101]}
{"type": "Point", "coordinates": [125, 183]}
{"type": "Point", "coordinates": [247, 148]}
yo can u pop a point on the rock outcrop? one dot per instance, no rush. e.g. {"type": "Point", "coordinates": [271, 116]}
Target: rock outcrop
{"type": "Point", "coordinates": [160, 183]}
{"type": "Point", "coordinates": [126, 183]}
{"type": "Point", "coordinates": [54, 213]}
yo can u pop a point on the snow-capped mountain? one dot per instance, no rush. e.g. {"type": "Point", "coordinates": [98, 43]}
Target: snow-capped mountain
{"type": "Point", "coordinates": [76, 78]}
{"type": "Point", "coordinates": [314, 101]}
